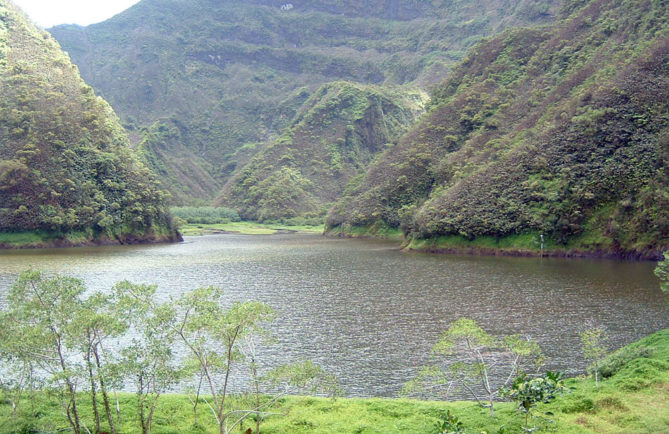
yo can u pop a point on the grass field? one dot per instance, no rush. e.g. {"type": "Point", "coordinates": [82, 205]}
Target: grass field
{"type": "Point", "coordinates": [245, 228]}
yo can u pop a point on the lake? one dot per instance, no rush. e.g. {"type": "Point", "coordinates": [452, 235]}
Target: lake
{"type": "Point", "coordinates": [370, 313]}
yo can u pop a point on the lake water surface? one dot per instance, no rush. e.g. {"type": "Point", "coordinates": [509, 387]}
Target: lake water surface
{"type": "Point", "coordinates": [370, 313]}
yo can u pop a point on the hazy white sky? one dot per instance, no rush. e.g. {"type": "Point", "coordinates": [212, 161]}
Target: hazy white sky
{"type": "Point", "coordinates": [47, 13]}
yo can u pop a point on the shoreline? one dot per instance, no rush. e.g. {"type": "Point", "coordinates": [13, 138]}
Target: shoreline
{"type": "Point", "coordinates": [432, 246]}
{"type": "Point", "coordinates": [61, 243]}
{"type": "Point", "coordinates": [520, 253]}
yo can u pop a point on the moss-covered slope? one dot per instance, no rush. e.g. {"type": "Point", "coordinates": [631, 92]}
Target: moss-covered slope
{"type": "Point", "coordinates": [561, 130]}
{"type": "Point", "coordinates": [333, 138]}
{"type": "Point", "coordinates": [65, 164]}
{"type": "Point", "coordinates": [222, 72]}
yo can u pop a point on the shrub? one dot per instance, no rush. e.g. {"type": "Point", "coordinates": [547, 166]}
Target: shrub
{"type": "Point", "coordinates": [578, 405]}
{"type": "Point", "coordinates": [618, 360]}
{"type": "Point", "coordinates": [205, 214]}
{"type": "Point", "coordinates": [449, 424]}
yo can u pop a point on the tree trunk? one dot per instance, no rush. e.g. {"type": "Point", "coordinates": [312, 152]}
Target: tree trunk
{"type": "Point", "coordinates": [257, 387]}
{"type": "Point", "coordinates": [151, 412]}
{"type": "Point", "coordinates": [140, 404]}
{"type": "Point", "coordinates": [94, 397]}
{"type": "Point", "coordinates": [105, 396]}
{"type": "Point", "coordinates": [71, 409]}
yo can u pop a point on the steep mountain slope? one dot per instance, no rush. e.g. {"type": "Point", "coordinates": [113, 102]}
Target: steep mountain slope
{"type": "Point", "coordinates": [218, 73]}
{"type": "Point", "coordinates": [333, 138]}
{"type": "Point", "coordinates": [561, 130]}
{"type": "Point", "coordinates": [65, 163]}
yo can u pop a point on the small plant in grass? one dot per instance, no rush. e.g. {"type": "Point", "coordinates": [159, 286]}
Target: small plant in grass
{"type": "Point", "coordinates": [449, 424]}
{"type": "Point", "coordinates": [527, 392]}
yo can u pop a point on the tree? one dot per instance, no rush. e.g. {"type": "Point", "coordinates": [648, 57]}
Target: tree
{"type": "Point", "coordinates": [52, 332]}
{"type": "Point", "coordinates": [483, 363]}
{"type": "Point", "coordinates": [213, 336]}
{"type": "Point", "coordinates": [17, 368]}
{"type": "Point", "coordinates": [95, 323]}
{"type": "Point", "coordinates": [149, 359]}
{"type": "Point", "coordinates": [39, 330]}
{"type": "Point", "coordinates": [662, 272]}
{"type": "Point", "coordinates": [54, 335]}
{"type": "Point", "coordinates": [593, 342]}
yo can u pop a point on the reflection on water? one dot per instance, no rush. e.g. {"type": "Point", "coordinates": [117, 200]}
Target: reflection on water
{"type": "Point", "coordinates": [370, 313]}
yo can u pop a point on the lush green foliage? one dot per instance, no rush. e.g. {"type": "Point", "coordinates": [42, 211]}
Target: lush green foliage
{"type": "Point", "coordinates": [527, 391]}
{"type": "Point", "coordinates": [662, 272]}
{"type": "Point", "coordinates": [558, 130]}
{"type": "Point", "coordinates": [252, 228]}
{"type": "Point", "coordinates": [205, 214]}
{"type": "Point", "coordinates": [222, 77]}
{"type": "Point", "coordinates": [187, 176]}
{"type": "Point", "coordinates": [65, 163]}
{"type": "Point", "coordinates": [449, 424]}
{"type": "Point", "coordinates": [333, 138]}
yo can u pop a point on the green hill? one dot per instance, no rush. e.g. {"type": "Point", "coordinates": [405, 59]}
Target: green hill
{"type": "Point", "coordinates": [67, 174]}
{"type": "Point", "coordinates": [333, 138]}
{"type": "Point", "coordinates": [560, 130]}
{"type": "Point", "coordinates": [197, 80]}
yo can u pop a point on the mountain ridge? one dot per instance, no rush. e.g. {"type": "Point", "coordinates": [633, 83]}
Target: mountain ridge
{"type": "Point", "coordinates": [221, 71]}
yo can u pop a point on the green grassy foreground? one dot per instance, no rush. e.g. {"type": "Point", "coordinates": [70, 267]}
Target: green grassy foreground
{"type": "Point", "coordinates": [634, 398]}
{"type": "Point", "coordinates": [245, 228]}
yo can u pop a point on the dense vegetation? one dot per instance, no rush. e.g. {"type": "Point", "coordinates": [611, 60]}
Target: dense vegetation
{"type": "Point", "coordinates": [205, 214]}
{"type": "Point", "coordinates": [203, 85]}
{"type": "Point", "coordinates": [66, 170]}
{"type": "Point", "coordinates": [559, 130]}
{"type": "Point", "coordinates": [333, 138]}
